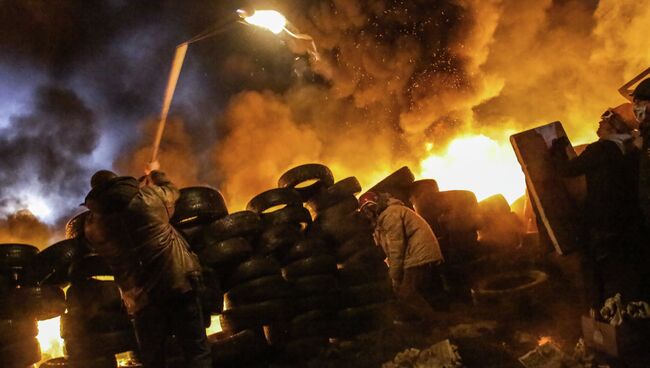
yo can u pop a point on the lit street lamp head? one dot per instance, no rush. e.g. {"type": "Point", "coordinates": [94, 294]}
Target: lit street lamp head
{"type": "Point", "coordinates": [269, 19]}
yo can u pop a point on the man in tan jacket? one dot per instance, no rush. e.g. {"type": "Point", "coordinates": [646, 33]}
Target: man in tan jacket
{"type": "Point", "coordinates": [411, 249]}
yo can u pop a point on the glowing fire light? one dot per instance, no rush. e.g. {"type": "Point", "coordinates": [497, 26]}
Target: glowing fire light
{"type": "Point", "coordinates": [479, 164]}
{"type": "Point", "coordinates": [543, 340]}
{"type": "Point", "coordinates": [215, 326]}
{"type": "Point", "coordinates": [269, 19]}
{"type": "Point", "coordinates": [49, 337]}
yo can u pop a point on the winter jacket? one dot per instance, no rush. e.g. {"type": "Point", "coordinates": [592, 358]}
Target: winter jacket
{"type": "Point", "coordinates": [129, 226]}
{"type": "Point", "coordinates": [611, 172]}
{"type": "Point", "coordinates": [406, 238]}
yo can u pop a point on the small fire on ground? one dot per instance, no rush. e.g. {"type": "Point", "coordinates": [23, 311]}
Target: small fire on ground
{"type": "Point", "coordinates": [49, 337]}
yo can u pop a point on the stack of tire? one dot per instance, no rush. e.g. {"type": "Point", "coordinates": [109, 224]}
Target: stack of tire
{"type": "Point", "coordinates": [362, 277]}
{"type": "Point", "coordinates": [454, 217]}
{"type": "Point", "coordinates": [227, 247]}
{"type": "Point", "coordinates": [195, 209]}
{"type": "Point", "coordinates": [499, 226]}
{"type": "Point", "coordinates": [22, 302]}
{"type": "Point", "coordinates": [96, 325]}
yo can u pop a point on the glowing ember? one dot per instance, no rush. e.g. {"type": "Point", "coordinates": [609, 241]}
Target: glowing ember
{"type": "Point", "coordinates": [479, 164]}
{"type": "Point", "coordinates": [269, 19]}
{"type": "Point", "coordinates": [49, 337]}
{"type": "Point", "coordinates": [543, 340]}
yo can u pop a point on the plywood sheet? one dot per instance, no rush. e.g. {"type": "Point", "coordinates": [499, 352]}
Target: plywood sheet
{"type": "Point", "coordinates": [549, 192]}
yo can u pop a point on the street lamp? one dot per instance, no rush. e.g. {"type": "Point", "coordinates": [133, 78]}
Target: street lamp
{"type": "Point", "coordinates": [269, 19]}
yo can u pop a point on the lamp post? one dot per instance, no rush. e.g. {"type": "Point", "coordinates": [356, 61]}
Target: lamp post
{"type": "Point", "coordinates": [268, 19]}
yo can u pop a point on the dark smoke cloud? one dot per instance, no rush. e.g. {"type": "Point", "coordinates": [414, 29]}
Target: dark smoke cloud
{"type": "Point", "coordinates": [44, 151]}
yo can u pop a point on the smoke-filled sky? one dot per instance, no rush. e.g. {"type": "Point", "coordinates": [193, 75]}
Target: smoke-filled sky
{"type": "Point", "coordinates": [83, 81]}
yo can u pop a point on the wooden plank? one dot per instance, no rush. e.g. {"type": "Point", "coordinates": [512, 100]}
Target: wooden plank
{"type": "Point", "coordinates": [557, 208]}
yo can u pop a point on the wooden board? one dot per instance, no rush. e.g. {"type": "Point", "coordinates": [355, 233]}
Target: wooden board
{"type": "Point", "coordinates": [558, 210]}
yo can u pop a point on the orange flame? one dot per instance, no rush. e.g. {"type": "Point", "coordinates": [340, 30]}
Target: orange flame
{"type": "Point", "coordinates": [49, 337]}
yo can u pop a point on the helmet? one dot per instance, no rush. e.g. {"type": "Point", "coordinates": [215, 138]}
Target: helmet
{"type": "Point", "coordinates": [642, 91]}
{"type": "Point", "coordinates": [368, 198]}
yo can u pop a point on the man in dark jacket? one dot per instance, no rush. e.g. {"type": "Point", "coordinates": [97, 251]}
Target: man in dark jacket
{"type": "Point", "coordinates": [158, 276]}
{"type": "Point", "coordinates": [611, 212]}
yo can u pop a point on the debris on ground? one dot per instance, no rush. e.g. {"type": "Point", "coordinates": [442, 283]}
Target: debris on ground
{"type": "Point", "coordinates": [440, 355]}
{"type": "Point", "coordinates": [548, 355]}
{"type": "Point", "coordinates": [614, 311]}
{"type": "Point", "coordinates": [469, 330]}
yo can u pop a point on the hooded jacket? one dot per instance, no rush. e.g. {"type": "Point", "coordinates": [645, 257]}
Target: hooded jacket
{"type": "Point", "coordinates": [129, 226]}
{"type": "Point", "coordinates": [406, 238]}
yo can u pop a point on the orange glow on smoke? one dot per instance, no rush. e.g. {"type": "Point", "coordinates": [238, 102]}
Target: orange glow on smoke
{"type": "Point", "coordinates": [476, 163]}
{"type": "Point", "coordinates": [543, 340]}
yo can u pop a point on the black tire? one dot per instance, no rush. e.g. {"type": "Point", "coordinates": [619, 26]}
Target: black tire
{"type": "Point", "coordinates": [360, 241]}
{"type": "Point", "coordinates": [258, 290]}
{"type": "Point", "coordinates": [360, 295]}
{"type": "Point", "coordinates": [52, 264]}
{"type": "Point", "coordinates": [367, 256]}
{"type": "Point", "coordinates": [90, 346]}
{"type": "Point", "coordinates": [226, 253]}
{"type": "Point", "coordinates": [75, 226]}
{"type": "Point", "coordinates": [40, 302]}
{"type": "Point", "coordinates": [398, 183]}
{"type": "Point", "coordinates": [363, 274]}
{"type": "Point", "coordinates": [451, 210]}
{"type": "Point", "coordinates": [306, 248]}
{"type": "Point", "coordinates": [293, 178]}
{"type": "Point", "coordinates": [237, 224]}
{"type": "Point", "coordinates": [311, 324]}
{"type": "Point", "coordinates": [17, 329]}
{"type": "Point", "coordinates": [241, 348]}
{"type": "Point", "coordinates": [14, 255]}
{"type": "Point", "coordinates": [315, 285]}
{"type": "Point", "coordinates": [494, 206]}
{"type": "Point", "coordinates": [325, 301]}
{"type": "Point", "coordinates": [509, 287]}
{"type": "Point", "coordinates": [277, 240]}
{"type": "Point", "coordinates": [198, 204]}
{"type": "Point", "coordinates": [77, 326]}
{"type": "Point", "coordinates": [323, 264]}
{"type": "Point", "coordinates": [342, 228]}
{"type": "Point", "coordinates": [274, 197]}
{"type": "Point", "coordinates": [20, 354]}
{"type": "Point", "coordinates": [343, 208]}
{"type": "Point", "coordinates": [94, 298]}
{"type": "Point", "coordinates": [287, 215]}
{"type": "Point", "coordinates": [192, 235]}
{"type": "Point", "coordinates": [255, 315]}
{"type": "Point", "coordinates": [336, 193]}
{"type": "Point", "coordinates": [88, 267]}
{"type": "Point", "coordinates": [252, 269]}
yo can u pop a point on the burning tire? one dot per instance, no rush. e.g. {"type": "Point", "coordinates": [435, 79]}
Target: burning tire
{"type": "Point", "coordinates": [237, 224]}
{"type": "Point", "coordinates": [287, 215]}
{"type": "Point", "coordinates": [322, 264]}
{"type": "Point", "coordinates": [198, 205]}
{"type": "Point", "coordinates": [20, 354]}
{"type": "Point", "coordinates": [320, 176]}
{"type": "Point", "coordinates": [258, 290]}
{"type": "Point", "coordinates": [226, 253]}
{"type": "Point", "coordinates": [16, 255]}
{"type": "Point", "coordinates": [252, 269]}
{"type": "Point", "coordinates": [51, 265]}
{"type": "Point", "coordinates": [336, 193]}
{"type": "Point", "coordinates": [274, 197]}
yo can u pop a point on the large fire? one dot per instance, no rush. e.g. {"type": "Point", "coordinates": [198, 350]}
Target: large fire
{"type": "Point", "coordinates": [49, 337]}
{"type": "Point", "coordinates": [476, 163]}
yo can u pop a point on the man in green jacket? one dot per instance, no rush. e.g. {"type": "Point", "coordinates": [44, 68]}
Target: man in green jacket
{"type": "Point", "coordinates": [158, 276]}
{"type": "Point", "coordinates": [411, 249]}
